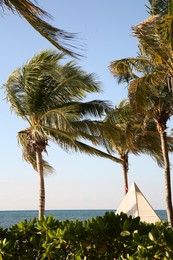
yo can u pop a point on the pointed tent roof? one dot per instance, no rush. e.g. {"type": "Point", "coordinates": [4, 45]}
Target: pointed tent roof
{"type": "Point", "coordinates": [136, 205]}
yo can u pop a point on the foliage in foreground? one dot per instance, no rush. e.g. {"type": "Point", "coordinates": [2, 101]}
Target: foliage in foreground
{"type": "Point", "coordinates": [108, 237]}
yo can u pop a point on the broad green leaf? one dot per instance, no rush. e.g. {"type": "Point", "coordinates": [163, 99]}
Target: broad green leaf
{"type": "Point", "coordinates": [151, 237]}
{"type": "Point", "coordinates": [126, 224]}
{"type": "Point", "coordinates": [125, 233]}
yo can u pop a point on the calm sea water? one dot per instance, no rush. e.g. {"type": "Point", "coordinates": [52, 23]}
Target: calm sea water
{"type": "Point", "coordinates": [8, 218]}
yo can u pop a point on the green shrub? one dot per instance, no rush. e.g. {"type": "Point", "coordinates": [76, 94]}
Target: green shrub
{"type": "Point", "coordinates": [107, 238]}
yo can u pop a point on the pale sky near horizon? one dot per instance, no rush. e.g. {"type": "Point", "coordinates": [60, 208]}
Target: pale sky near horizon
{"type": "Point", "coordinates": [79, 181]}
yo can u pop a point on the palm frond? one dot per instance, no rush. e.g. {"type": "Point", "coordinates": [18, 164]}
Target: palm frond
{"type": "Point", "coordinates": [75, 83]}
{"type": "Point", "coordinates": [35, 17]}
{"type": "Point", "coordinates": [15, 95]}
{"type": "Point", "coordinates": [129, 69]}
{"type": "Point", "coordinates": [120, 114]}
{"type": "Point", "coordinates": [155, 35]}
{"type": "Point", "coordinates": [94, 108]}
{"type": "Point", "coordinates": [160, 7]}
{"type": "Point", "coordinates": [84, 148]}
{"type": "Point", "coordinates": [44, 84]}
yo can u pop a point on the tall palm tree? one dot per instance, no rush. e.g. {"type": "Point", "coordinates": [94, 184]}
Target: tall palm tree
{"type": "Point", "coordinates": [35, 17]}
{"type": "Point", "coordinates": [152, 71]}
{"type": "Point", "coordinates": [49, 96]}
{"type": "Point", "coordinates": [149, 95]}
{"type": "Point", "coordinates": [155, 37]}
{"type": "Point", "coordinates": [158, 104]}
{"type": "Point", "coordinates": [130, 136]}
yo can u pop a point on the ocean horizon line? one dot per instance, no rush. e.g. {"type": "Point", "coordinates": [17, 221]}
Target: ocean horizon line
{"type": "Point", "coordinates": [102, 209]}
{"type": "Point", "coordinates": [51, 209]}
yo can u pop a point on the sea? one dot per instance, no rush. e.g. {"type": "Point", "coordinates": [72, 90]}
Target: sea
{"type": "Point", "coordinates": [9, 218]}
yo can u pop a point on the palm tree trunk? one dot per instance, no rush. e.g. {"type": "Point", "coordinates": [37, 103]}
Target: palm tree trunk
{"type": "Point", "coordinates": [39, 161]}
{"type": "Point", "coordinates": [125, 166]}
{"type": "Point", "coordinates": [162, 131]}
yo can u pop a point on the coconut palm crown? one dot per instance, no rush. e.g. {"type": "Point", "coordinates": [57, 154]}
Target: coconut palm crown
{"type": "Point", "coordinates": [155, 37]}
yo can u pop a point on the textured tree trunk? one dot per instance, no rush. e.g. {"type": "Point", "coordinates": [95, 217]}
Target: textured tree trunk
{"type": "Point", "coordinates": [41, 184]}
{"type": "Point", "coordinates": [125, 166]}
{"type": "Point", "coordinates": [162, 131]}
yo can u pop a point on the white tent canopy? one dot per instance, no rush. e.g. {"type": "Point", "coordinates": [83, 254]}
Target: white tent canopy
{"type": "Point", "coordinates": [136, 205]}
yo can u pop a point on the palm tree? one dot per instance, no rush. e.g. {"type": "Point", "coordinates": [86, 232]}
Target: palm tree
{"type": "Point", "coordinates": [130, 136]}
{"type": "Point", "coordinates": [152, 72]}
{"type": "Point", "coordinates": [158, 104]}
{"type": "Point", "coordinates": [149, 95]}
{"type": "Point", "coordinates": [156, 40]}
{"type": "Point", "coordinates": [49, 96]}
{"type": "Point", "coordinates": [35, 17]}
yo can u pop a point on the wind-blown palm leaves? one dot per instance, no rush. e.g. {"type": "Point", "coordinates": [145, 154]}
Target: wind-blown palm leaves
{"type": "Point", "coordinates": [35, 17]}
{"type": "Point", "coordinates": [158, 104]}
{"type": "Point", "coordinates": [161, 7]}
{"type": "Point", "coordinates": [130, 136]}
{"type": "Point", "coordinates": [150, 96]}
{"type": "Point", "coordinates": [49, 96]}
{"type": "Point", "coordinates": [155, 36]}
{"type": "Point", "coordinates": [149, 92]}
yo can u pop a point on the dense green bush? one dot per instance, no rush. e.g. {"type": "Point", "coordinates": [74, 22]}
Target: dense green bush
{"type": "Point", "coordinates": [111, 237]}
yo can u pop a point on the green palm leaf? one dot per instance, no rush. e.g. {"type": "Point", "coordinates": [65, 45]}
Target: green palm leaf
{"type": "Point", "coordinates": [35, 16]}
{"type": "Point", "coordinates": [160, 7]}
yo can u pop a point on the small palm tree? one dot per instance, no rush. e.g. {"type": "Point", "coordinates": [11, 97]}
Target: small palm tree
{"type": "Point", "coordinates": [49, 96]}
{"type": "Point", "coordinates": [34, 16]}
{"type": "Point", "coordinates": [130, 136]}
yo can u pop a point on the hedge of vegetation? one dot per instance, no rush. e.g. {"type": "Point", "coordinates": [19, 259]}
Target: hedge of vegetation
{"type": "Point", "coordinates": [109, 237]}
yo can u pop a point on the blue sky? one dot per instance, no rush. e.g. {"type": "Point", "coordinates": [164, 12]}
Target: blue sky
{"type": "Point", "coordinates": [80, 181]}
